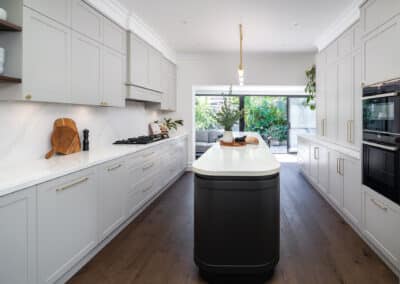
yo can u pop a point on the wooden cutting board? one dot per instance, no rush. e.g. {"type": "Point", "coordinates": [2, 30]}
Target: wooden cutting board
{"type": "Point", "coordinates": [65, 138]}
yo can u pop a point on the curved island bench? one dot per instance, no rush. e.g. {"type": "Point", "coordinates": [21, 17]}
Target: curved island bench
{"type": "Point", "coordinates": [236, 218]}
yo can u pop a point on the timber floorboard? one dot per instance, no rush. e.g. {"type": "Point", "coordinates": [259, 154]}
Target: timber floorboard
{"type": "Point", "coordinates": [317, 246]}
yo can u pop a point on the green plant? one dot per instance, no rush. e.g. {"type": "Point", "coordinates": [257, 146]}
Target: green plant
{"type": "Point", "coordinates": [169, 123]}
{"type": "Point", "coordinates": [311, 87]}
{"type": "Point", "coordinates": [227, 116]}
{"type": "Point", "coordinates": [203, 114]}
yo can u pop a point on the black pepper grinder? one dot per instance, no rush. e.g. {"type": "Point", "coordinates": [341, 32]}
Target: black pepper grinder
{"type": "Point", "coordinates": [85, 140]}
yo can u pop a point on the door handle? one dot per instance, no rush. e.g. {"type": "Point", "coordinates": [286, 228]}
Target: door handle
{"type": "Point", "coordinates": [114, 168]}
{"type": "Point", "coordinates": [82, 180]}
{"type": "Point", "coordinates": [384, 208]}
{"type": "Point", "coordinates": [337, 166]}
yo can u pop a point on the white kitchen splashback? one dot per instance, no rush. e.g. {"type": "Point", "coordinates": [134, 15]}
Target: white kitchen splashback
{"type": "Point", "coordinates": [26, 127]}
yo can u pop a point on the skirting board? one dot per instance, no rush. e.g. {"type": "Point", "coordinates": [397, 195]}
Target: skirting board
{"type": "Point", "coordinates": [355, 228]}
{"type": "Point", "coordinates": [107, 240]}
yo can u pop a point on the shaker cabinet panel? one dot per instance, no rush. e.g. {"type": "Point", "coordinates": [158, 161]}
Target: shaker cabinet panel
{"type": "Point", "coordinates": [356, 126]}
{"type": "Point", "coordinates": [345, 99]}
{"type": "Point", "coordinates": [332, 101]}
{"type": "Point", "coordinates": [58, 10]}
{"type": "Point", "coordinates": [47, 59]}
{"type": "Point", "coordinates": [86, 67]}
{"type": "Point", "coordinates": [375, 13]}
{"type": "Point", "coordinates": [381, 53]}
{"type": "Point", "coordinates": [114, 36]}
{"type": "Point", "coordinates": [323, 168]}
{"type": "Point", "coordinates": [114, 74]}
{"type": "Point", "coordinates": [18, 237]}
{"type": "Point", "coordinates": [154, 70]}
{"type": "Point", "coordinates": [87, 20]}
{"type": "Point", "coordinates": [138, 62]}
{"type": "Point", "coordinates": [352, 190]}
{"type": "Point", "coordinates": [335, 191]}
{"type": "Point", "coordinates": [67, 223]}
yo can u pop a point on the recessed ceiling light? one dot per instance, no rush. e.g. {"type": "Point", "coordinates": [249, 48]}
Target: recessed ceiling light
{"type": "Point", "coordinates": [296, 25]}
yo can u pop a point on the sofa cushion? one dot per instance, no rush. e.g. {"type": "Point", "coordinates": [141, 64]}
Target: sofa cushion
{"type": "Point", "coordinates": [202, 136]}
{"type": "Point", "coordinates": [213, 135]}
{"type": "Point", "coordinates": [202, 147]}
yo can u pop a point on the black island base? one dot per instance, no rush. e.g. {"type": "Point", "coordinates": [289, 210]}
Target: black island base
{"type": "Point", "coordinates": [236, 228]}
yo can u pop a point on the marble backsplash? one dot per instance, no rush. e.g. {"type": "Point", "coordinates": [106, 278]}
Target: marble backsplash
{"type": "Point", "coordinates": [25, 128]}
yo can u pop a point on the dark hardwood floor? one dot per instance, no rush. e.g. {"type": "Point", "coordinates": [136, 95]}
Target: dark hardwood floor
{"type": "Point", "coordinates": [317, 246]}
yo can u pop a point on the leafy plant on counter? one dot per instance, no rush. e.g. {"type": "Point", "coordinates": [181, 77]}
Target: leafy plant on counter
{"type": "Point", "coordinates": [311, 87]}
{"type": "Point", "coordinates": [227, 116]}
{"type": "Point", "coordinates": [169, 123]}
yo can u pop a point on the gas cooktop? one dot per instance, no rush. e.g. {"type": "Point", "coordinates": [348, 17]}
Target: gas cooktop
{"type": "Point", "coordinates": [140, 140]}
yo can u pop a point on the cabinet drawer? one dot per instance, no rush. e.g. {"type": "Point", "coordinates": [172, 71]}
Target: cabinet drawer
{"type": "Point", "coordinates": [142, 94]}
{"type": "Point", "coordinates": [114, 36]}
{"type": "Point", "coordinates": [381, 53]}
{"type": "Point", "coordinates": [87, 20]}
{"type": "Point", "coordinates": [375, 13]}
{"type": "Point", "coordinates": [382, 225]}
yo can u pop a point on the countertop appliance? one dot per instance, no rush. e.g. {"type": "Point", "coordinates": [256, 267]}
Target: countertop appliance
{"type": "Point", "coordinates": [381, 139]}
{"type": "Point", "coordinates": [140, 140]}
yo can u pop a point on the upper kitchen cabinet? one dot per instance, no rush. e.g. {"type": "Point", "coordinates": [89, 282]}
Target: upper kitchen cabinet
{"type": "Point", "coordinates": [87, 20]}
{"type": "Point", "coordinates": [381, 53]}
{"type": "Point", "coordinates": [168, 101]}
{"type": "Point", "coordinates": [114, 36]}
{"type": "Point", "coordinates": [375, 13]}
{"type": "Point", "coordinates": [58, 10]}
{"type": "Point", "coordinates": [46, 59]}
{"type": "Point", "coordinates": [114, 74]}
{"type": "Point", "coordinates": [145, 69]}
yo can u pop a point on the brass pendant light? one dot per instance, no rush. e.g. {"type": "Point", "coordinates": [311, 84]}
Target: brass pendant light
{"type": "Point", "coordinates": [240, 69]}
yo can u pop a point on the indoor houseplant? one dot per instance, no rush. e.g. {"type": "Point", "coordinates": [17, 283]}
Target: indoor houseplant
{"type": "Point", "coordinates": [311, 87]}
{"type": "Point", "coordinates": [227, 116]}
{"type": "Point", "coordinates": [168, 124]}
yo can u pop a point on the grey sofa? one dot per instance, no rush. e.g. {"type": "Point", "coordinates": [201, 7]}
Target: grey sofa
{"type": "Point", "coordinates": [205, 139]}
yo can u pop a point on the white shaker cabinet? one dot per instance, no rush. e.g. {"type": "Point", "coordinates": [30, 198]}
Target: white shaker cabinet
{"type": "Point", "coordinates": [375, 13]}
{"type": "Point", "coordinates": [112, 193]}
{"type": "Point", "coordinates": [314, 162]}
{"type": "Point", "coordinates": [332, 101]}
{"type": "Point", "coordinates": [86, 70]}
{"type": "Point", "coordinates": [323, 168]}
{"type": "Point", "coordinates": [320, 94]}
{"type": "Point", "coordinates": [114, 76]}
{"type": "Point", "coordinates": [168, 101]}
{"type": "Point", "coordinates": [304, 155]}
{"type": "Point", "coordinates": [154, 70]}
{"type": "Point", "coordinates": [18, 237]}
{"type": "Point", "coordinates": [335, 190]}
{"type": "Point", "coordinates": [138, 61]}
{"type": "Point", "coordinates": [58, 10]}
{"type": "Point", "coordinates": [345, 99]}
{"type": "Point", "coordinates": [66, 223]}
{"type": "Point", "coordinates": [47, 59]}
{"type": "Point", "coordinates": [87, 20]}
{"type": "Point", "coordinates": [381, 53]}
{"type": "Point", "coordinates": [351, 169]}
{"type": "Point", "coordinates": [114, 36]}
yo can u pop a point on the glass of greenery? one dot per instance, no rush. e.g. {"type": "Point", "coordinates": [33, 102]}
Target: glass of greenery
{"type": "Point", "coordinates": [227, 116]}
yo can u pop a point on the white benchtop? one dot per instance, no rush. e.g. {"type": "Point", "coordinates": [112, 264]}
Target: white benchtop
{"type": "Point", "coordinates": [14, 177]}
{"type": "Point", "coordinates": [353, 153]}
{"type": "Point", "coordinates": [249, 160]}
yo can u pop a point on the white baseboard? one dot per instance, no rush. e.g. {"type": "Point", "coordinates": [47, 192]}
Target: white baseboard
{"type": "Point", "coordinates": [68, 275]}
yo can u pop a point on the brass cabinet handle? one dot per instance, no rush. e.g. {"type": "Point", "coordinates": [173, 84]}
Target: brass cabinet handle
{"type": "Point", "coordinates": [323, 126]}
{"type": "Point", "coordinates": [148, 167]}
{"type": "Point", "coordinates": [28, 97]}
{"type": "Point", "coordinates": [341, 167]}
{"type": "Point", "coordinates": [351, 131]}
{"type": "Point", "coordinates": [384, 208]}
{"type": "Point", "coordinates": [75, 183]}
{"type": "Point", "coordinates": [337, 166]}
{"type": "Point", "coordinates": [317, 157]}
{"type": "Point", "coordinates": [114, 168]}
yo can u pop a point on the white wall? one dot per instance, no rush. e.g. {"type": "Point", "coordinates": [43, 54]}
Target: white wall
{"type": "Point", "coordinates": [221, 69]}
{"type": "Point", "coordinates": [26, 127]}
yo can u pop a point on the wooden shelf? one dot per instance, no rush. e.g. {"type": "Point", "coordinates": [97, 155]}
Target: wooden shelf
{"type": "Point", "coordinates": [6, 79]}
{"type": "Point", "coordinates": [10, 27]}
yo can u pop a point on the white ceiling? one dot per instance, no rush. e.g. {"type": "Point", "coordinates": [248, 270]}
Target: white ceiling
{"type": "Point", "coordinates": [212, 25]}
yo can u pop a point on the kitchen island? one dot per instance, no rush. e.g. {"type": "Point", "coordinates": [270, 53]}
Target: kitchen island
{"type": "Point", "coordinates": [236, 220]}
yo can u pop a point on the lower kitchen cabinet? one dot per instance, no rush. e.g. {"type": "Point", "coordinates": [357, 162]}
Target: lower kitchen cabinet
{"type": "Point", "coordinates": [352, 196]}
{"type": "Point", "coordinates": [382, 225]}
{"type": "Point", "coordinates": [335, 190]}
{"type": "Point", "coordinates": [314, 161]}
{"type": "Point", "coordinates": [18, 237]}
{"type": "Point", "coordinates": [323, 168]}
{"type": "Point", "coordinates": [304, 155]}
{"type": "Point", "coordinates": [66, 223]}
{"type": "Point", "coordinates": [112, 192]}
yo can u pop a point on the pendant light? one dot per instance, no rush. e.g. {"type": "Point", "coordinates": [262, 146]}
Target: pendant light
{"type": "Point", "coordinates": [240, 69]}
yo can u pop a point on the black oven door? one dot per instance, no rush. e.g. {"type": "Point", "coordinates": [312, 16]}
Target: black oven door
{"type": "Point", "coordinates": [382, 113]}
{"type": "Point", "coordinates": [381, 170]}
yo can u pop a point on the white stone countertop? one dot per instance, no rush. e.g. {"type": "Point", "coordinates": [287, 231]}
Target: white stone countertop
{"type": "Point", "coordinates": [14, 177]}
{"type": "Point", "coordinates": [249, 160]}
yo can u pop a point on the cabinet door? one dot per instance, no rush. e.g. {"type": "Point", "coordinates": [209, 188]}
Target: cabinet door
{"type": "Point", "coordinates": [86, 70]}
{"type": "Point", "coordinates": [381, 53]}
{"type": "Point", "coordinates": [47, 59]}
{"type": "Point", "coordinates": [113, 188]}
{"type": "Point", "coordinates": [114, 88]}
{"type": "Point", "coordinates": [345, 99]}
{"type": "Point", "coordinates": [314, 162]}
{"type": "Point", "coordinates": [345, 42]}
{"type": "Point", "coordinates": [18, 237]}
{"type": "Point", "coordinates": [155, 70]}
{"type": "Point", "coordinates": [374, 13]}
{"type": "Point", "coordinates": [332, 101]}
{"type": "Point", "coordinates": [114, 36]}
{"type": "Point", "coordinates": [67, 223]}
{"type": "Point", "coordinates": [87, 20]}
{"type": "Point", "coordinates": [58, 10]}
{"type": "Point", "coordinates": [356, 126]}
{"type": "Point", "coordinates": [138, 61]}
{"type": "Point", "coordinates": [172, 88]}
{"type": "Point", "coordinates": [382, 225]}
{"type": "Point", "coordinates": [304, 155]}
{"type": "Point", "coordinates": [320, 95]}
{"type": "Point", "coordinates": [165, 85]}
{"type": "Point", "coordinates": [323, 168]}
{"type": "Point", "coordinates": [352, 197]}
{"type": "Point", "coordinates": [335, 190]}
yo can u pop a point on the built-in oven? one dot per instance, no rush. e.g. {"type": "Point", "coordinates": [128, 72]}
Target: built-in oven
{"type": "Point", "coordinates": [381, 139]}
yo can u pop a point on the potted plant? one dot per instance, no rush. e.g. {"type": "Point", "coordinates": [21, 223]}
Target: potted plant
{"type": "Point", "coordinates": [168, 124]}
{"type": "Point", "coordinates": [227, 116]}
{"type": "Point", "coordinates": [311, 87]}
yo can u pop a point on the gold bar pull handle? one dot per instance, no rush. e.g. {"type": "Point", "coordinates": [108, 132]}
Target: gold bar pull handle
{"type": "Point", "coordinates": [384, 208]}
{"type": "Point", "coordinates": [114, 168]}
{"type": "Point", "coordinates": [75, 183]}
